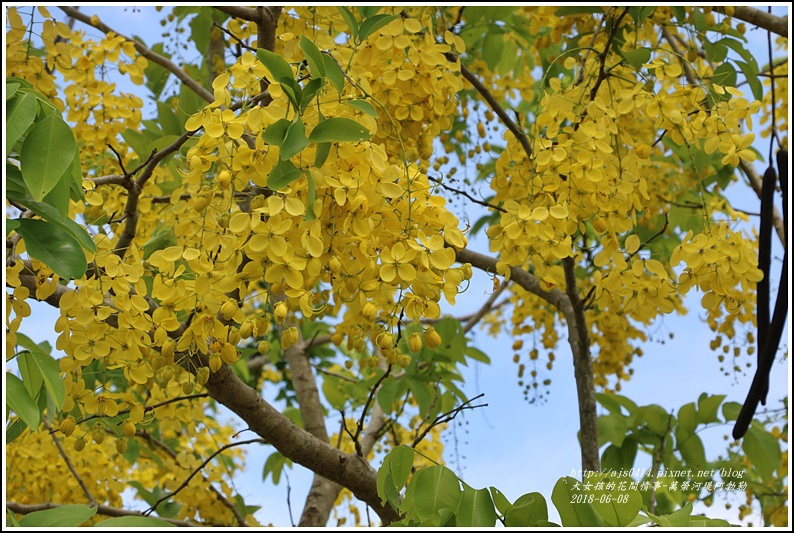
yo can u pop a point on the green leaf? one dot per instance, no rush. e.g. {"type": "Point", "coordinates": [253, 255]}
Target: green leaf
{"type": "Point", "coordinates": [310, 91]}
{"type": "Point", "coordinates": [367, 11]}
{"type": "Point", "coordinates": [274, 466]}
{"type": "Point", "coordinates": [373, 24]}
{"type": "Point", "coordinates": [614, 402]}
{"type": "Point", "coordinates": [139, 144]}
{"type": "Point", "coordinates": [680, 13]}
{"type": "Point", "coordinates": [51, 374]}
{"type": "Point", "coordinates": [475, 509]}
{"type": "Point", "coordinates": [350, 20]}
{"type": "Point", "coordinates": [14, 430]}
{"type": "Point", "coordinates": [63, 516]}
{"type": "Point", "coordinates": [46, 154]}
{"type": "Point", "coordinates": [321, 154]}
{"type": "Point", "coordinates": [708, 407]}
{"type": "Point", "coordinates": [692, 450]}
{"type": "Point", "coordinates": [19, 400]}
{"type": "Point", "coordinates": [730, 410]}
{"type": "Point", "coordinates": [335, 396]}
{"type": "Point", "coordinates": [334, 73]}
{"type": "Point", "coordinates": [11, 225]}
{"type": "Point", "coordinates": [276, 132]}
{"type": "Point", "coordinates": [53, 246]}
{"type": "Point", "coordinates": [282, 175]}
{"type": "Point", "coordinates": [20, 114]}
{"type": "Point", "coordinates": [637, 57]}
{"type": "Point", "coordinates": [751, 75]}
{"type": "Point", "coordinates": [401, 462]}
{"type": "Point", "coordinates": [527, 511]}
{"type": "Point", "coordinates": [339, 130]}
{"type": "Point", "coordinates": [687, 419]}
{"type": "Point", "coordinates": [364, 107]}
{"type": "Point", "coordinates": [58, 197]}
{"type": "Point", "coordinates": [277, 65]}
{"type": "Point", "coordinates": [500, 500]}
{"type": "Point", "coordinates": [763, 450]}
{"type": "Point", "coordinates": [295, 141]}
{"type": "Point", "coordinates": [492, 48]}
{"type": "Point", "coordinates": [654, 416]}
{"type": "Point", "coordinates": [168, 120]}
{"type": "Point", "coordinates": [30, 374]}
{"type": "Point", "coordinates": [617, 508]}
{"type": "Point", "coordinates": [313, 57]}
{"type": "Point", "coordinates": [639, 14]}
{"type": "Point", "coordinates": [53, 216]}
{"type": "Point", "coordinates": [679, 518]}
{"type": "Point", "coordinates": [568, 497]}
{"type": "Point", "coordinates": [612, 428]}
{"type": "Point", "coordinates": [437, 487]}
{"type": "Point", "coordinates": [134, 522]}
{"type": "Point", "coordinates": [620, 458]}
{"type": "Point", "coordinates": [162, 237]}
{"type": "Point", "coordinates": [11, 89]}
{"type": "Point", "coordinates": [478, 355]}
{"type": "Point", "coordinates": [385, 486]}
{"type": "Point", "coordinates": [725, 74]}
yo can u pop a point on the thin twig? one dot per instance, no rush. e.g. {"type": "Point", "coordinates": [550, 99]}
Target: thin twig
{"type": "Point", "coordinates": [467, 195]}
{"type": "Point", "coordinates": [121, 161]}
{"type": "Point", "coordinates": [448, 417]}
{"type": "Point", "coordinates": [204, 463]}
{"type": "Point", "coordinates": [289, 503]}
{"type": "Point", "coordinates": [233, 36]}
{"type": "Point", "coordinates": [333, 374]}
{"type": "Point", "coordinates": [487, 306]}
{"type": "Point", "coordinates": [218, 494]}
{"type": "Point", "coordinates": [360, 424]}
{"type": "Point", "coordinates": [652, 237]}
{"type": "Point", "coordinates": [71, 468]}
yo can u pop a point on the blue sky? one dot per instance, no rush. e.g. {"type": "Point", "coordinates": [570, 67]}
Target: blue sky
{"type": "Point", "coordinates": [511, 444]}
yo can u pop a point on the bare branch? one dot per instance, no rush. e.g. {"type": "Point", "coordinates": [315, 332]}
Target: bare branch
{"type": "Point", "coordinates": [218, 494]}
{"type": "Point", "coordinates": [103, 510]}
{"type": "Point", "coordinates": [198, 469]}
{"type": "Point", "coordinates": [111, 179]}
{"type": "Point", "coordinates": [447, 417]}
{"type": "Point", "coordinates": [71, 468]}
{"type": "Point", "coordinates": [145, 52]}
{"type": "Point", "coordinates": [762, 19]}
{"type": "Point", "coordinates": [485, 309]}
{"type": "Point", "coordinates": [467, 195]}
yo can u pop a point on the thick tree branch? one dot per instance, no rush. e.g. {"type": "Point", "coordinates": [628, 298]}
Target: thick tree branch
{"type": "Point", "coordinates": [144, 51]}
{"type": "Point", "coordinates": [103, 510]}
{"type": "Point", "coordinates": [762, 19]}
{"type": "Point", "coordinates": [579, 339]}
{"type": "Point", "coordinates": [296, 443]}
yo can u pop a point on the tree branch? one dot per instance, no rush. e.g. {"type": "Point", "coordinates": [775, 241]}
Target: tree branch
{"type": "Point", "coordinates": [197, 470]}
{"type": "Point", "coordinates": [297, 444]}
{"type": "Point", "coordinates": [579, 339]}
{"type": "Point", "coordinates": [240, 12]}
{"type": "Point", "coordinates": [485, 309]}
{"type": "Point", "coordinates": [145, 52]}
{"type": "Point", "coordinates": [71, 468]}
{"type": "Point", "coordinates": [762, 19]}
{"type": "Point", "coordinates": [103, 510]}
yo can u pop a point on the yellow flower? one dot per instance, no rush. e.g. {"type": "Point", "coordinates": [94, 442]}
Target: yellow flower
{"type": "Point", "coordinates": [396, 263]}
